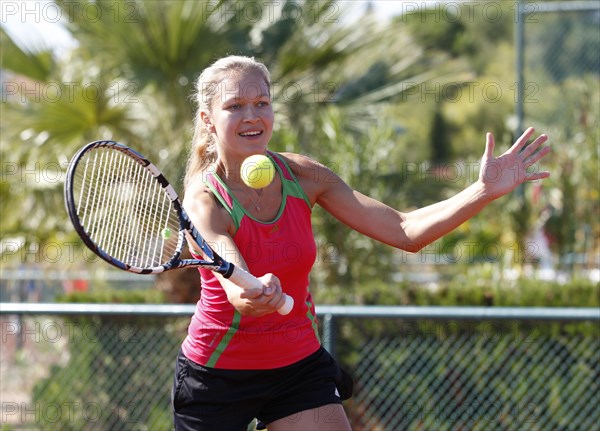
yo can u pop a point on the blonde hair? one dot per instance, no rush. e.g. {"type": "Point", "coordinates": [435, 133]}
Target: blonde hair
{"type": "Point", "coordinates": [204, 151]}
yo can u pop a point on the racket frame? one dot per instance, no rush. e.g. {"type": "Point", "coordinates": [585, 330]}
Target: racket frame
{"type": "Point", "coordinates": [212, 260]}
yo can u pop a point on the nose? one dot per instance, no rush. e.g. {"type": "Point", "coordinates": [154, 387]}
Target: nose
{"type": "Point", "coordinates": [250, 114]}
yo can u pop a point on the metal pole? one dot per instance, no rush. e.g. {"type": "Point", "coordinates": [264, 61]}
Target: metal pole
{"type": "Point", "coordinates": [329, 313]}
{"type": "Point", "coordinates": [520, 73]}
{"type": "Point", "coordinates": [329, 334]}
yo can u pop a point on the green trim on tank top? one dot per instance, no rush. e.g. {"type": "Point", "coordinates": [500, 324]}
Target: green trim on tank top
{"type": "Point", "coordinates": [290, 188]}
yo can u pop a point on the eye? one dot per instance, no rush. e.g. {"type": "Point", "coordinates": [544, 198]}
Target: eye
{"type": "Point", "coordinates": [263, 103]}
{"type": "Point", "coordinates": [234, 106]}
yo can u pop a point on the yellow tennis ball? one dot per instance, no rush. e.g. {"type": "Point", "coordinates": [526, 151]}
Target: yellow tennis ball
{"type": "Point", "coordinates": [257, 171]}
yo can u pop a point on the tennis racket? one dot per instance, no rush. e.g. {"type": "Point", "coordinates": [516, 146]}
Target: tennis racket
{"type": "Point", "coordinates": [126, 212]}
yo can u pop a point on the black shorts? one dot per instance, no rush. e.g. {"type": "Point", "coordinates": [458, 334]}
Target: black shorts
{"type": "Point", "coordinates": [210, 398]}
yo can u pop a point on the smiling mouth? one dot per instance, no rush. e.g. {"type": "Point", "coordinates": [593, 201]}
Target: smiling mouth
{"type": "Point", "coordinates": [251, 133]}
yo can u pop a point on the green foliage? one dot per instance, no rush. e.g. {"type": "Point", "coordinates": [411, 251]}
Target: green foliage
{"type": "Point", "coordinates": [38, 65]}
{"type": "Point", "coordinates": [569, 206]}
{"type": "Point", "coordinates": [441, 147]}
{"type": "Point", "coordinates": [570, 49]}
{"type": "Point", "coordinates": [115, 296]}
{"type": "Point", "coordinates": [481, 381]}
{"type": "Point", "coordinates": [440, 365]}
{"type": "Point", "coordinates": [347, 258]}
{"type": "Point", "coordinates": [440, 78]}
{"type": "Point", "coordinates": [105, 350]}
{"type": "Point", "coordinates": [476, 285]}
{"type": "Point", "coordinates": [444, 35]}
{"type": "Point", "coordinates": [151, 42]}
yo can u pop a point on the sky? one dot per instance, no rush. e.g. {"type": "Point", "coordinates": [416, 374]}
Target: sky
{"type": "Point", "coordinates": [35, 24]}
{"type": "Point", "coordinates": [40, 24]}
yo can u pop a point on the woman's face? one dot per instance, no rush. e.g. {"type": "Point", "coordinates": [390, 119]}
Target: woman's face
{"type": "Point", "coordinates": [241, 114]}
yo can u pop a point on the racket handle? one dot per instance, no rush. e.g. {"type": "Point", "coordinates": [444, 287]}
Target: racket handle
{"type": "Point", "coordinates": [243, 278]}
{"type": "Point", "coordinates": [287, 307]}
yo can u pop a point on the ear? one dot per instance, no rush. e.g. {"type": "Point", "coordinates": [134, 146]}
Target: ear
{"type": "Point", "coordinates": [207, 122]}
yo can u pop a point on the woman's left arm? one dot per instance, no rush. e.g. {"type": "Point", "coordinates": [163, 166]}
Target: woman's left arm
{"type": "Point", "coordinates": [411, 231]}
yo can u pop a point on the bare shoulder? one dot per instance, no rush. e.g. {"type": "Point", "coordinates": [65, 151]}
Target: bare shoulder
{"type": "Point", "coordinates": [314, 177]}
{"type": "Point", "coordinates": [205, 211]}
{"type": "Point", "coordinates": [299, 163]}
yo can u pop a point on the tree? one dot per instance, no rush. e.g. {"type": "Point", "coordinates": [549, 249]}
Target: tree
{"type": "Point", "coordinates": [142, 67]}
{"type": "Point", "coordinates": [128, 79]}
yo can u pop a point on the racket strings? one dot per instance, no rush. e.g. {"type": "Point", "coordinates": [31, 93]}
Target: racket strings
{"type": "Point", "coordinates": [124, 209]}
{"type": "Point", "coordinates": [107, 196]}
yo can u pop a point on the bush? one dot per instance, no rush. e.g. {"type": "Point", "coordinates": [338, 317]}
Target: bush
{"type": "Point", "coordinates": [118, 372]}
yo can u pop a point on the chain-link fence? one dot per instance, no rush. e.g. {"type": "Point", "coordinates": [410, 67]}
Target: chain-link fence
{"type": "Point", "coordinates": [88, 371]}
{"type": "Point", "coordinates": [459, 369]}
{"type": "Point", "coordinates": [558, 71]}
{"type": "Point", "coordinates": [557, 45]}
{"type": "Point", "coordinates": [561, 39]}
{"type": "Point", "coordinates": [413, 371]}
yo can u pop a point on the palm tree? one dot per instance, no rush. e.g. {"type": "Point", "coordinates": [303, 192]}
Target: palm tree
{"type": "Point", "coordinates": [128, 79]}
{"type": "Point", "coordinates": [132, 72]}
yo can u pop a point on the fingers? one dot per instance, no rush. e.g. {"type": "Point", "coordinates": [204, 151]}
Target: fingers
{"type": "Point", "coordinates": [537, 176]}
{"type": "Point", "coordinates": [533, 147]}
{"type": "Point", "coordinates": [522, 141]}
{"type": "Point", "coordinates": [490, 143]}
{"type": "Point", "coordinates": [269, 285]}
{"type": "Point", "coordinates": [272, 296]}
{"type": "Point", "coordinates": [276, 301]}
{"type": "Point", "coordinates": [533, 154]}
{"type": "Point", "coordinates": [531, 159]}
{"type": "Point", "coordinates": [258, 301]}
{"type": "Point", "coordinates": [526, 154]}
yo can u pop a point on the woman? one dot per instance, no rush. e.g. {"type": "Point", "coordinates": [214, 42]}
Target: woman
{"type": "Point", "coordinates": [242, 359]}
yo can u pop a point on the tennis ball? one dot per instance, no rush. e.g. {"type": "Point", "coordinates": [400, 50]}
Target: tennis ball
{"type": "Point", "coordinates": [257, 171]}
{"type": "Point", "coordinates": [166, 233]}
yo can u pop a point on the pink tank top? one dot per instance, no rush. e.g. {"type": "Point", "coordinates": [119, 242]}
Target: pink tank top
{"type": "Point", "coordinates": [218, 335]}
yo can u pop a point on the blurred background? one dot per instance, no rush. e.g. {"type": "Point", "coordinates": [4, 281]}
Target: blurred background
{"type": "Point", "coordinates": [396, 97]}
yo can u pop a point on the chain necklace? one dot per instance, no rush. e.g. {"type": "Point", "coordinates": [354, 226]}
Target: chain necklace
{"type": "Point", "coordinates": [255, 202]}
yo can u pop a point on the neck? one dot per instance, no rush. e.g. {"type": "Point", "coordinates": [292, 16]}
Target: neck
{"type": "Point", "coordinates": [228, 168]}
{"type": "Point", "coordinates": [228, 171]}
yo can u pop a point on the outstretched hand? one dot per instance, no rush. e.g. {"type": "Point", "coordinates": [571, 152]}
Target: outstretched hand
{"type": "Point", "coordinates": [500, 175]}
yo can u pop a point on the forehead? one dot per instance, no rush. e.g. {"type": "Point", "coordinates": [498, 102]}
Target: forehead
{"type": "Point", "coordinates": [243, 85]}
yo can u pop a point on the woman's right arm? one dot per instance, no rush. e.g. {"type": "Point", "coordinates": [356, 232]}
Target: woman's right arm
{"type": "Point", "coordinates": [216, 227]}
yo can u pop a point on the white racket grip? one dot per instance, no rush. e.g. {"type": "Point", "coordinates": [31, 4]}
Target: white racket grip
{"type": "Point", "coordinates": [244, 279]}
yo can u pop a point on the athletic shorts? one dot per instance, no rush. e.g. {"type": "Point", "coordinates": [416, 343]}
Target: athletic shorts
{"type": "Point", "coordinates": [216, 399]}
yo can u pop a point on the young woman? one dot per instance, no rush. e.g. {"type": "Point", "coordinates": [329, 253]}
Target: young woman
{"type": "Point", "coordinates": [242, 359]}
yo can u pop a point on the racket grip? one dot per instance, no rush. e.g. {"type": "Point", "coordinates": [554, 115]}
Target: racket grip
{"type": "Point", "coordinates": [243, 278]}
{"type": "Point", "coordinates": [287, 307]}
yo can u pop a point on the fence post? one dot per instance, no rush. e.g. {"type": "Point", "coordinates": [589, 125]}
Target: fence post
{"type": "Point", "coordinates": [329, 332]}
{"type": "Point", "coordinates": [520, 66]}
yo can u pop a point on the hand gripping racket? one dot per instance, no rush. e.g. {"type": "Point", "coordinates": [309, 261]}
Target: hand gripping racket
{"type": "Point", "coordinates": [126, 212]}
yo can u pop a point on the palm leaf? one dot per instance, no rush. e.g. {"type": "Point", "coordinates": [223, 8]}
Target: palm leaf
{"type": "Point", "coordinates": [155, 42]}
{"type": "Point", "coordinates": [37, 66]}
